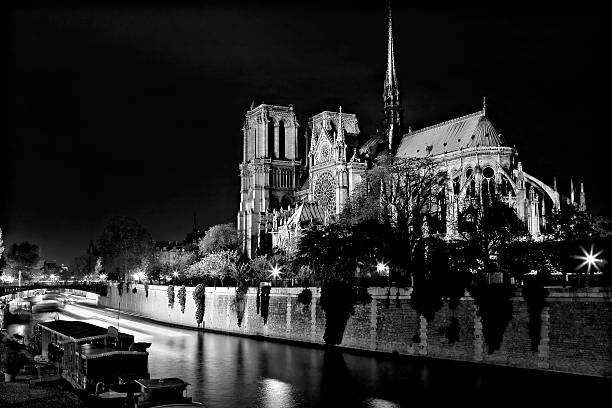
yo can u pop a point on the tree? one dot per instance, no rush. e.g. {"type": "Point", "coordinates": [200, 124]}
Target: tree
{"type": "Point", "coordinates": [569, 223]}
{"type": "Point", "coordinates": [218, 238]}
{"type": "Point", "coordinates": [82, 267]}
{"type": "Point", "coordinates": [219, 264]}
{"type": "Point", "coordinates": [1, 243]}
{"type": "Point", "coordinates": [259, 270]}
{"type": "Point", "coordinates": [400, 194]}
{"type": "Point", "coordinates": [123, 244]}
{"type": "Point", "coordinates": [2, 261]}
{"type": "Point", "coordinates": [24, 257]}
{"type": "Point", "coordinates": [98, 268]}
{"type": "Point", "coordinates": [169, 263]}
{"type": "Point", "coordinates": [492, 240]}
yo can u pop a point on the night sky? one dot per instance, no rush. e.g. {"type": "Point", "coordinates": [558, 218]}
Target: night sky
{"type": "Point", "coordinates": [137, 110]}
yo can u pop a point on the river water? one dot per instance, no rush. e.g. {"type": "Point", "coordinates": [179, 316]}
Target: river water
{"type": "Point", "coordinates": [229, 371]}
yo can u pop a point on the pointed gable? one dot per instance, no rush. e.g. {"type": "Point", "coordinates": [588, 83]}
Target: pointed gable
{"type": "Point", "coordinates": [474, 130]}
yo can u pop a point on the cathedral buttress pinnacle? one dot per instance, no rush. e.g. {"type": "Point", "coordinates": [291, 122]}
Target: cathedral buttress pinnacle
{"type": "Point", "coordinates": [391, 99]}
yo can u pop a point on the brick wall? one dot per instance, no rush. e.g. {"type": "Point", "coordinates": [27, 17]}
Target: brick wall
{"type": "Point", "coordinates": [576, 327]}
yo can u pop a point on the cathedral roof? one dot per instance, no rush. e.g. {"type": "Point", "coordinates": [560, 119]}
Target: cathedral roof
{"type": "Point", "coordinates": [468, 131]}
{"type": "Point", "coordinates": [306, 212]}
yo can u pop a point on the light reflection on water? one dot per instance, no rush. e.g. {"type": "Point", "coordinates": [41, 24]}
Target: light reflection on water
{"type": "Point", "coordinates": [231, 372]}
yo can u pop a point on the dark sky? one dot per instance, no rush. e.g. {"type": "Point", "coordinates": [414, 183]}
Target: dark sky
{"type": "Point", "coordinates": [137, 110]}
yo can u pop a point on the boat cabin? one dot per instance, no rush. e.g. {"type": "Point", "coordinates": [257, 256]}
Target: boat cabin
{"type": "Point", "coordinates": [87, 354]}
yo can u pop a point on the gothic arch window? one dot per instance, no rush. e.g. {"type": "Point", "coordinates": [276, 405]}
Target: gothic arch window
{"type": "Point", "coordinates": [281, 140]}
{"type": "Point", "coordinates": [325, 191]}
{"type": "Point", "coordinates": [506, 187]}
{"type": "Point", "coordinates": [271, 138]}
{"type": "Point", "coordinates": [456, 185]}
{"type": "Point", "coordinates": [488, 185]}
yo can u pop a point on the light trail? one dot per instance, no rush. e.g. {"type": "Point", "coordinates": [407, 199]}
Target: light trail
{"type": "Point", "coordinates": [139, 327]}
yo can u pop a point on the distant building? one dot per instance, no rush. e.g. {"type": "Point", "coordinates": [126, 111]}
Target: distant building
{"type": "Point", "coordinates": [52, 268]}
{"type": "Point", "coordinates": [190, 242]}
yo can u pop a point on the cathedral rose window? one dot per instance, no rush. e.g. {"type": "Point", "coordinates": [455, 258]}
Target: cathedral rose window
{"type": "Point", "coordinates": [325, 192]}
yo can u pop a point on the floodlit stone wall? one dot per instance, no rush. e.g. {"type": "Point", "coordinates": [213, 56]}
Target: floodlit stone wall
{"type": "Point", "coordinates": [576, 329]}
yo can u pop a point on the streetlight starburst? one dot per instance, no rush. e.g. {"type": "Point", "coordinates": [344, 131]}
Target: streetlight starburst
{"type": "Point", "coordinates": [382, 267]}
{"type": "Point", "coordinates": [275, 272]}
{"type": "Point", "coordinates": [589, 259]}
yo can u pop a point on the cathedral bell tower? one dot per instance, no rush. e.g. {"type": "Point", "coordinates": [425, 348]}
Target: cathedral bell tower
{"type": "Point", "coordinates": [269, 171]}
{"type": "Point", "coordinates": [392, 125]}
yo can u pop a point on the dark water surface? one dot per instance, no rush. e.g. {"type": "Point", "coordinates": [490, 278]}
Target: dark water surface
{"type": "Point", "coordinates": [229, 371]}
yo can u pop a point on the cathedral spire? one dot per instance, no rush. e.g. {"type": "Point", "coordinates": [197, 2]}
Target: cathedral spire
{"type": "Point", "coordinates": [582, 198]}
{"type": "Point", "coordinates": [391, 97]}
{"type": "Point", "coordinates": [340, 128]}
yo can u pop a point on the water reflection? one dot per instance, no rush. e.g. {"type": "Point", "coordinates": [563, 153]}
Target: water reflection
{"type": "Point", "coordinates": [276, 394]}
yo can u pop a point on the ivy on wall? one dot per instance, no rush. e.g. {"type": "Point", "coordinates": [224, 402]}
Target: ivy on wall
{"type": "Point", "coordinates": [495, 310]}
{"type": "Point", "coordinates": [265, 303]}
{"type": "Point", "coordinates": [239, 302]}
{"type": "Point", "coordinates": [199, 296]}
{"type": "Point", "coordinates": [182, 297]}
{"type": "Point", "coordinates": [170, 295]}
{"type": "Point", "coordinates": [338, 300]}
{"type": "Point", "coordinates": [535, 294]}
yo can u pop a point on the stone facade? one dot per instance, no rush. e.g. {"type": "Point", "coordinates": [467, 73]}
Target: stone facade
{"type": "Point", "coordinates": [575, 331]}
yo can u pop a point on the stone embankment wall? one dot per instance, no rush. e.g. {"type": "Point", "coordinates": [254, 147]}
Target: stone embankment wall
{"type": "Point", "coordinates": [576, 330]}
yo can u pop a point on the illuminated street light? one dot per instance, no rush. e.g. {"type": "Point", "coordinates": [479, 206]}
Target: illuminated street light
{"type": "Point", "coordinates": [175, 274]}
{"type": "Point", "coordinates": [382, 268]}
{"type": "Point", "coordinates": [590, 260]}
{"type": "Point", "coordinates": [103, 276]}
{"type": "Point", "coordinates": [275, 271]}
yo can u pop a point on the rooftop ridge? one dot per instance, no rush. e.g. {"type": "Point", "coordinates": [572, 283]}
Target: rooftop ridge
{"type": "Point", "coordinates": [448, 122]}
{"type": "Point", "coordinates": [270, 106]}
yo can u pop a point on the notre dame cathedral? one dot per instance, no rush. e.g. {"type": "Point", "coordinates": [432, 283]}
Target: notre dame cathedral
{"type": "Point", "coordinates": [280, 191]}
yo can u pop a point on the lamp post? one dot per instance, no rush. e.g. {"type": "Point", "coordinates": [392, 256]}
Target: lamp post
{"type": "Point", "coordinates": [20, 280]}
